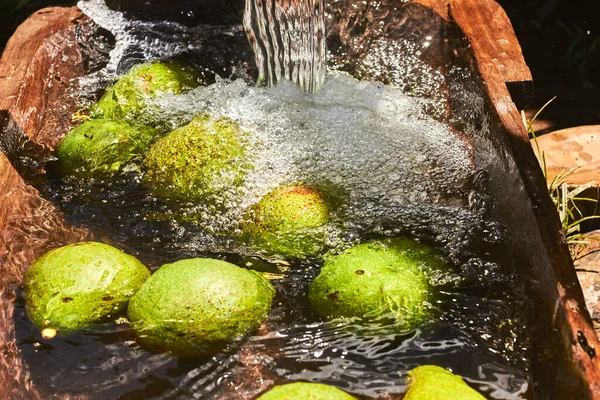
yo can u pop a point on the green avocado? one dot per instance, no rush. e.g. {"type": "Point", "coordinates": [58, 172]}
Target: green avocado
{"type": "Point", "coordinates": [195, 307]}
{"type": "Point", "coordinates": [200, 162]}
{"type": "Point", "coordinates": [82, 283]}
{"type": "Point", "coordinates": [380, 278]}
{"type": "Point", "coordinates": [305, 391]}
{"type": "Point", "coordinates": [430, 382]}
{"type": "Point", "coordinates": [102, 147]}
{"type": "Point", "coordinates": [128, 98]}
{"type": "Point", "coordinates": [289, 221]}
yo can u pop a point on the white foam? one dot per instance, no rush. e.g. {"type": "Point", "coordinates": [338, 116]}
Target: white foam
{"type": "Point", "coordinates": [368, 141]}
{"type": "Point", "coordinates": [400, 170]}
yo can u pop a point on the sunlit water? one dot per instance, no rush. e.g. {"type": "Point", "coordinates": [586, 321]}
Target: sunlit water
{"type": "Point", "coordinates": [401, 173]}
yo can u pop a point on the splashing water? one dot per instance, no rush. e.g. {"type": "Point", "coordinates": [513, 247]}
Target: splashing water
{"type": "Point", "coordinates": [396, 169]}
{"type": "Point", "coordinates": [288, 38]}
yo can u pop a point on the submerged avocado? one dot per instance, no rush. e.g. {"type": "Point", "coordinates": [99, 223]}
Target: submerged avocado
{"type": "Point", "coordinates": [380, 278]}
{"type": "Point", "coordinates": [196, 306]}
{"type": "Point", "coordinates": [430, 382]}
{"type": "Point", "coordinates": [201, 161]}
{"type": "Point", "coordinates": [289, 221]}
{"type": "Point", "coordinates": [102, 147]}
{"type": "Point", "coordinates": [305, 391]}
{"type": "Point", "coordinates": [128, 98]}
{"type": "Point", "coordinates": [75, 285]}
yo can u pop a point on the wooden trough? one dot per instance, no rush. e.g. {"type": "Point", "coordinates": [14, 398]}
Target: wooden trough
{"type": "Point", "coordinates": [42, 59]}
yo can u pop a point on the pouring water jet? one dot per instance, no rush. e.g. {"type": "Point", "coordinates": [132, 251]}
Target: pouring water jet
{"type": "Point", "coordinates": [288, 39]}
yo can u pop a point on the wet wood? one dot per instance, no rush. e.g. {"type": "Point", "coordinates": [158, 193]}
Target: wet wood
{"type": "Point", "coordinates": [500, 61]}
{"type": "Point", "coordinates": [28, 89]}
{"type": "Point", "coordinates": [496, 48]}
{"type": "Point", "coordinates": [499, 57]}
{"type": "Point", "coordinates": [31, 37]}
{"type": "Point", "coordinates": [442, 7]}
{"type": "Point", "coordinates": [21, 207]}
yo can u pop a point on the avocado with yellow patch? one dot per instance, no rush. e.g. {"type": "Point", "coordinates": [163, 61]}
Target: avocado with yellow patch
{"type": "Point", "coordinates": [79, 284]}
{"type": "Point", "coordinates": [289, 221]}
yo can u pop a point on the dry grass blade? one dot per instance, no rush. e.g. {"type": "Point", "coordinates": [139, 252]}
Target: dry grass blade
{"type": "Point", "coordinates": [564, 196]}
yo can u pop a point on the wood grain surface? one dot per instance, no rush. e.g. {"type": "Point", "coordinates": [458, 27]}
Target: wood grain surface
{"type": "Point", "coordinates": [27, 89]}
{"type": "Point", "coordinates": [496, 49]}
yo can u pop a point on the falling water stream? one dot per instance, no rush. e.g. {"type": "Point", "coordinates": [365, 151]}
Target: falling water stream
{"type": "Point", "coordinates": [288, 38]}
{"type": "Point", "coordinates": [401, 170]}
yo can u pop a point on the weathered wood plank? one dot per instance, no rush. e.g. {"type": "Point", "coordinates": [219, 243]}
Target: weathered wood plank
{"type": "Point", "coordinates": [499, 60]}
{"type": "Point", "coordinates": [21, 208]}
{"type": "Point", "coordinates": [22, 46]}
{"type": "Point", "coordinates": [494, 42]}
{"type": "Point", "coordinates": [498, 54]}
{"type": "Point", "coordinates": [496, 49]}
{"type": "Point", "coordinates": [29, 88]}
{"type": "Point", "coordinates": [439, 6]}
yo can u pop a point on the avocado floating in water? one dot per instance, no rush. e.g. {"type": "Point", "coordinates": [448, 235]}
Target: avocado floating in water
{"type": "Point", "coordinates": [305, 391]}
{"type": "Point", "coordinates": [102, 147]}
{"type": "Point", "coordinates": [380, 278]}
{"type": "Point", "coordinates": [430, 382]}
{"type": "Point", "coordinates": [195, 307]}
{"type": "Point", "coordinates": [73, 286]}
{"type": "Point", "coordinates": [289, 221]}
{"type": "Point", "coordinates": [128, 98]}
{"type": "Point", "coordinates": [203, 161]}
